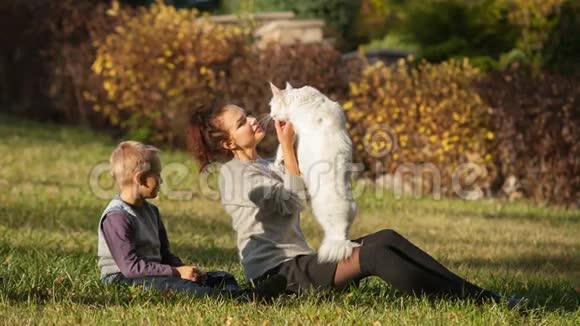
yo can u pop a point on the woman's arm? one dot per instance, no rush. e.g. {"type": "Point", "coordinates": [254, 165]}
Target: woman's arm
{"type": "Point", "coordinates": [281, 196]}
{"type": "Point", "coordinates": [293, 190]}
{"type": "Point", "coordinates": [290, 161]}
{"type": "Point", "coordinates": [284, 196]}
{"type": "Point", "coordinates": [285, 132]}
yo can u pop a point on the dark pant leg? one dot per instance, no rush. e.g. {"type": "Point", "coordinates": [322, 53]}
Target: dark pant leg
{"type": "Point", "coordinates": [302, 272]}
{"type": "Point", "coordinates": [406, 267]}
{"type": "Point", "coordinates": [388, 237]}
{"type": "Point", "coordinates": [392, 238]}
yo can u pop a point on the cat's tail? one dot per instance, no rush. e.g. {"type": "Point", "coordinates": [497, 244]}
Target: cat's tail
{"type": "Point", "coordinates": [335, 250]}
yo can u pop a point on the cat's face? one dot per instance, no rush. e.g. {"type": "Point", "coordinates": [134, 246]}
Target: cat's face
{"type": "Point", "coordinates": [284, 101]}
{"type": "Point", "coordinates": [279, 104]}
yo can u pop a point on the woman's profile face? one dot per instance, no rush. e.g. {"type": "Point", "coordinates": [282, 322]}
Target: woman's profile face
{"type": "Point", "coordinates": [243, 130]}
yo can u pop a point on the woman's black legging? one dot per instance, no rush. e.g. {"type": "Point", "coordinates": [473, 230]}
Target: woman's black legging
{"type": "Point", "coordinates": [407, 268]}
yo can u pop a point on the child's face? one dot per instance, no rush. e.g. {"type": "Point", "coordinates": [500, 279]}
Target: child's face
{"type": "Point", "coordinates": [151, 180]}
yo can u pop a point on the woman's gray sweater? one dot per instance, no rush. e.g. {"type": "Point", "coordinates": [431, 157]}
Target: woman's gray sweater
{"type": "Point", "coordinates": [265, 204]}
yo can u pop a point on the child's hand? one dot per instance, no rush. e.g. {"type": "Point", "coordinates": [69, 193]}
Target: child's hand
{"type": "Point", "coordinates": [191, 273]}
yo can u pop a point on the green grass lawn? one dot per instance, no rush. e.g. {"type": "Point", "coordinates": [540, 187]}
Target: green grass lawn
{"type": "Point", "coordinates": [48, 228]}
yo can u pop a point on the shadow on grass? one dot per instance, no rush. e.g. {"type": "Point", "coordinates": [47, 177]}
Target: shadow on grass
{"type": "Point", "coordinates": [52, 215]}
{"type": "Point", "coordinates": [509, 214]}
{"type": "Point", "coordinates": [527, 264]}
{"type": "Point", "coordinates": [72, 216]}
{"type": "Point", "coordinates": [547, 296]}
{"type": "Point", "coordinates": [48, 132]}
{"type": "Point", "coordinates": [196, 225]}
{"type": "Point", "coordinates": [542, 288]}
{"type": "Point", "coordinates": [531, 216]}
{"type": "Point", "coordinates": [479, 241]}
{"type": "Point", "coordinates": [543, 296]}
{"type": "Point", "coordinates": [206, 255]}
{"type": "Point", "coordinates": [71, 276]}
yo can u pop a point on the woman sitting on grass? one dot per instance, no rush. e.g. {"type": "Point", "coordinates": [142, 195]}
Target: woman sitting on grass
{"type": "Point", "coordinates": [265, 207]}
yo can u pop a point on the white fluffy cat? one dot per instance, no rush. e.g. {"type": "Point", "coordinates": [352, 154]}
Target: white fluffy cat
{"type": "Point", "coordinates": [325, 158]}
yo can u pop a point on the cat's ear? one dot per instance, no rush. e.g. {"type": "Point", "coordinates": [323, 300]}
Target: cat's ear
{"type": "Point", "coordinates": [288, 86]}
{"type": "Point", "coordinates": [275, 90]}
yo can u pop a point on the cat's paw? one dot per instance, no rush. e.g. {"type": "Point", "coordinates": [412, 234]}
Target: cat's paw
{"type": "Point", "coordinates": [334, 250]}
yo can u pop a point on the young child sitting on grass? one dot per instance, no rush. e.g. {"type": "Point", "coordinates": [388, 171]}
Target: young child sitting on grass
{"type": "Point", "coordinates": [133, 248]}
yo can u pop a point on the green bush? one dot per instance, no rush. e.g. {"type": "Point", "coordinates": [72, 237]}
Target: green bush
{"type": "Point", "coordinates": [535, 20]}
{"type": "Point", "coordinates": [561, 50]}
{"type": "Point", "coordinates": [390, 41]}
{"type": "Point", "coordinates": [455, 28]}
{"type": "Point", "coordinates": [375, 18]}
{"type": "Point", "coordinates": [493, 33]}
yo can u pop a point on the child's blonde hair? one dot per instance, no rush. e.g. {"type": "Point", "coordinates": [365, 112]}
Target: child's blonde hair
{"type": "Point", "coordinates": [131, 157]}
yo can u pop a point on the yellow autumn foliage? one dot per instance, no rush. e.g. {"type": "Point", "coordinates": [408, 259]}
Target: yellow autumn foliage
{"type": "Point", "coordinates": [159, 65]}
{"type": "Point", "coordinates": [427, 114]}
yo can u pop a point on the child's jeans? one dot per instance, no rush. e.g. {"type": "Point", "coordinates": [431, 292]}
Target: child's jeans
{"type": "Point", "coordinates": [214, 283]}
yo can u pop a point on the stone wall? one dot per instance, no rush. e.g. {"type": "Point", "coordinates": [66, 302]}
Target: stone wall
{"type": "Point", "coordinates": [279, 27]}
{"type": "Point", "coordinates": [290, 31]}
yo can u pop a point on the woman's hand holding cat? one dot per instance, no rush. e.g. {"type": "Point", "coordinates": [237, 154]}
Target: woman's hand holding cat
{"type": "Point", "coordinates": [286, 133]}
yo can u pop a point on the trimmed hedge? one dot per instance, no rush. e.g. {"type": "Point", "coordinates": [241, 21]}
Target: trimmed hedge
{"type": "Point", "coordinates": [158, 65]}
{"type": "Point", "coordinates": [425, 114]}
{"type": "Point", "coordinates": [536, 119]}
